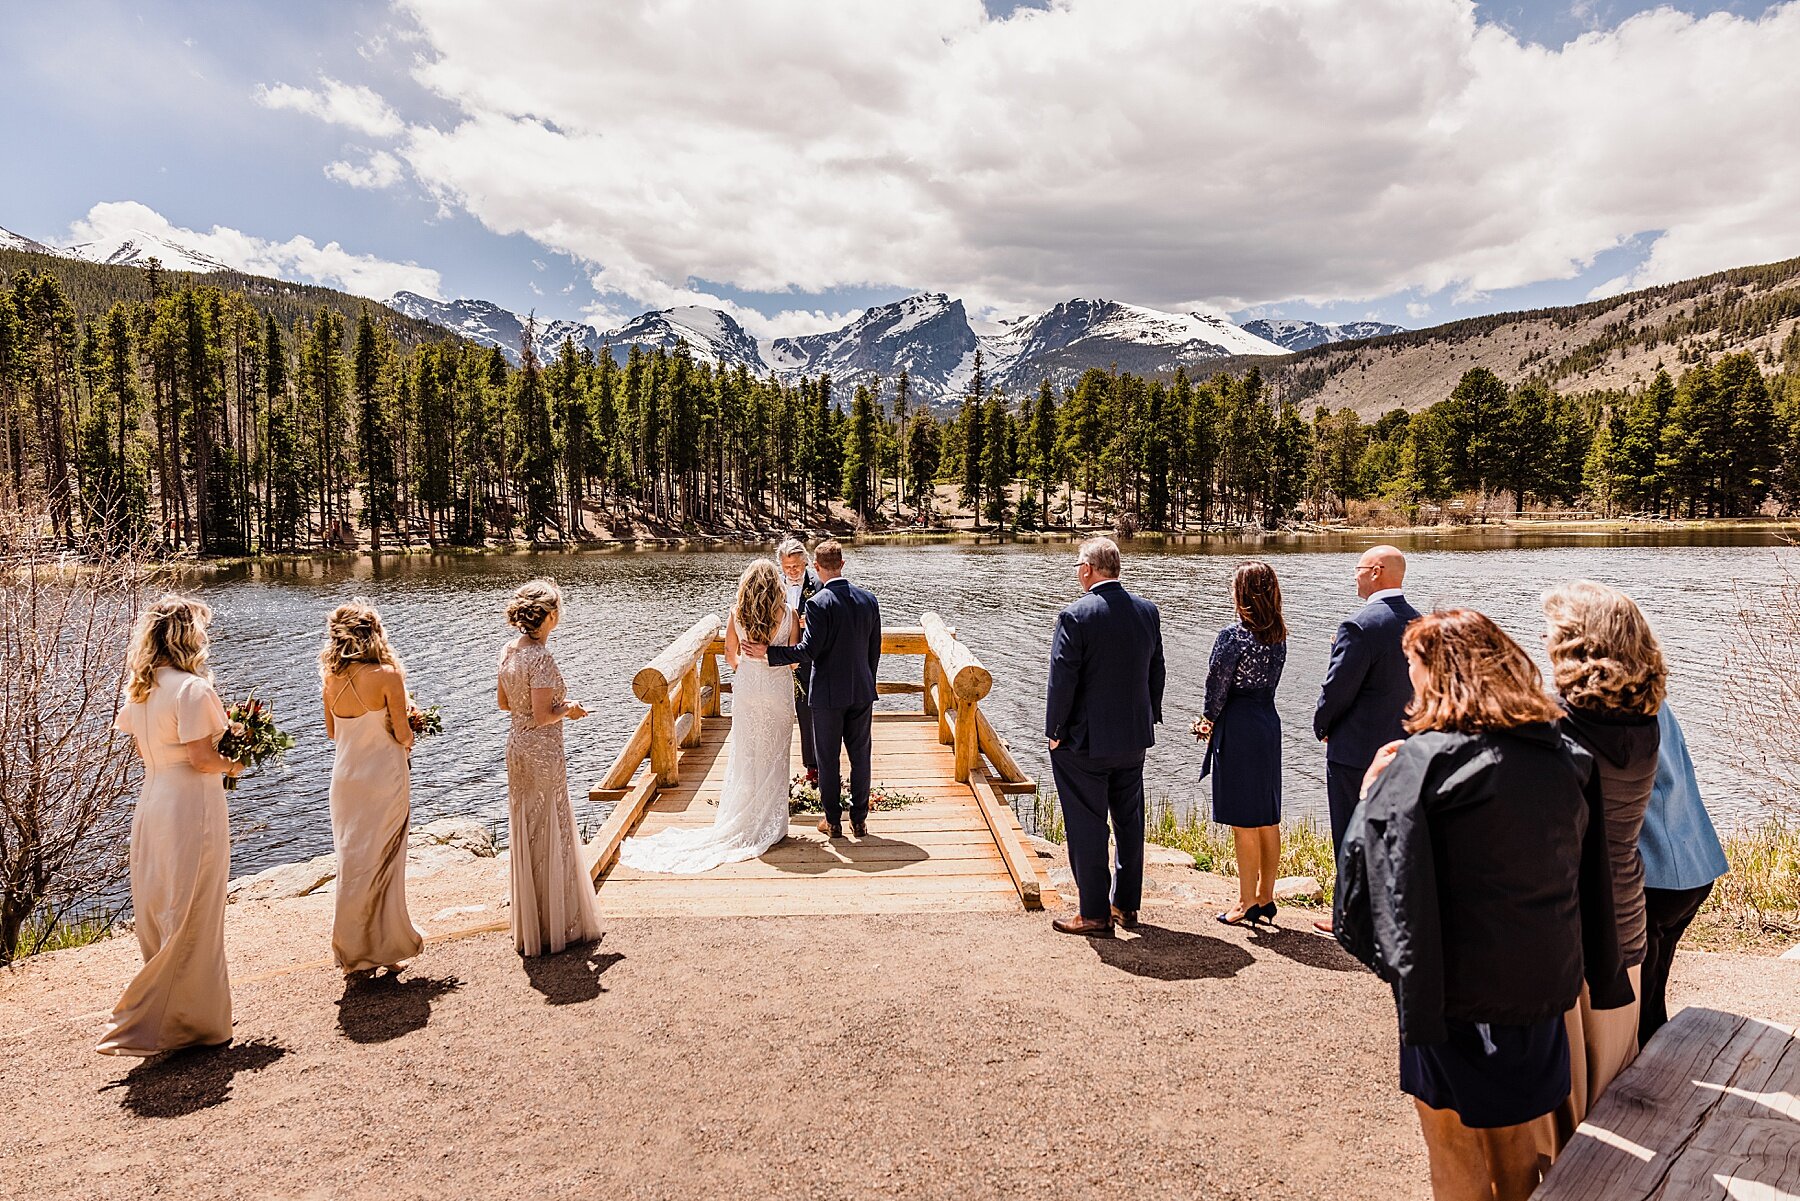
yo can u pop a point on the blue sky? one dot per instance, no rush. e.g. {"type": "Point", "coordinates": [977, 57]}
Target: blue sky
{"type": "Point", "coordinates": [555, 199]}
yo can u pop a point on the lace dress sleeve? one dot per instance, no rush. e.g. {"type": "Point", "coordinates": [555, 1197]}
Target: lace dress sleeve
{"type": "Point", "coordinates": [1221, 671]}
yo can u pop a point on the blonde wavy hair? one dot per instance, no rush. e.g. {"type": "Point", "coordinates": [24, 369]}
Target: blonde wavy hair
{"type": "Point", "coordinates": [170, 633]}
{"type": "Point", "coordinates": [533, 604]}
{"type": "Point", "coordinates": [354, 634]}
{"type": "Point", "coordinates": [761, 601]}
{"type": "Point", "coordinates": [1603, 654]}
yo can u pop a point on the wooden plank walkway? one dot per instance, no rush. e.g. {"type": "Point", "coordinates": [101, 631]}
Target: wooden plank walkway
{"type": "Point", "coordinates": [1709, 1111]}
{"type": "Point", "coordinates": [942, 854]}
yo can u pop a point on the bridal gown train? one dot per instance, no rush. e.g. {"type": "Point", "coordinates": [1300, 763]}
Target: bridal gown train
{"type": "Point", "coordinates": [753, 803]}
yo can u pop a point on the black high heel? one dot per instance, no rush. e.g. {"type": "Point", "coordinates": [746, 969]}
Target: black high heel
{"type": "Point", "coordinates": [1247, 918]}
{"type": "Point", "coordinates": [1262, 913]}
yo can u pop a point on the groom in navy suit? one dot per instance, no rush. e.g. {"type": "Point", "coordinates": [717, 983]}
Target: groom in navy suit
{"type": "Point", "coordinates": [839, 651]}
{"type": "Point", "coordinates": [1366, 691]}
{"type": "Point", "coordinates": [1103, 704]}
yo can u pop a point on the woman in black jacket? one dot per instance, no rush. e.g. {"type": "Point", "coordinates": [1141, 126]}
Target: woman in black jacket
{"type": "Point", "coordinates": [1473, 879]}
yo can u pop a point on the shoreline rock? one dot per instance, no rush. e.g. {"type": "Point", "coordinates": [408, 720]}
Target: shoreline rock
{"type": "Point", "coordinates": [444, 843]}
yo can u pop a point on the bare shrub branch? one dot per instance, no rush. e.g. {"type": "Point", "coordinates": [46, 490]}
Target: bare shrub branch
{"type": "Point", "coordinates": [1762, 691]}
{"type": "Point", "coordinates": [66, 775]}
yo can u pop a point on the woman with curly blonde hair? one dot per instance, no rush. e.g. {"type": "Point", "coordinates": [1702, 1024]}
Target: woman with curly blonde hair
{"type": "Point", "coordinates": [180, 838]}
{"type": "Point", "coordinates": [552, 896]}
{"type": "Point", "coordinates": [371, 791]}
{"type": "Point", "coordinates": [753, 802]}
{"type": "Point", "coordinates": [1611, 679]}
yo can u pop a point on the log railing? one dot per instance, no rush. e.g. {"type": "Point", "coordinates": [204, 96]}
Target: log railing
{"type": "Point", "coordinates": [682, 688]}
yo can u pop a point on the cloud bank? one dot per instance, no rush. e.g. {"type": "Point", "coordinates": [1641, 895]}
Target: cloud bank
{"type": "Point", "coordinates": [296, 258]}
{"type": "Point", "coordinates": [1224, 155]}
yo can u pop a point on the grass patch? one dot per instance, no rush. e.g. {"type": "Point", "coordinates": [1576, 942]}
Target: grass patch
{"type": "Point", "coordinates": [1756, 905]}
{"type": "Point", "coordinates": [1305, 848]}
{"type": "Point", "coordinates": [41, 934]}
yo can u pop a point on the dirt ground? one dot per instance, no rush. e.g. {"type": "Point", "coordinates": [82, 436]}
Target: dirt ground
{"type": "Point", "coordinates": [953, 1056]}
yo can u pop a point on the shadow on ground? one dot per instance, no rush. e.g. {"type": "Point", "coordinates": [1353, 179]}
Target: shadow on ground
{"type": "Point", "coordinates": [1163, 954]}
{"type": "Point", "coordinates": [1305, 948]}
{"type": "Point", "coordinates": [573, 975]}
{"type": "Point", "coordinates": [376, 1010]}
{"type": "Point", "coordinates": [185, 1082]}
{"type": "Point", "coordinates": [870, 853]}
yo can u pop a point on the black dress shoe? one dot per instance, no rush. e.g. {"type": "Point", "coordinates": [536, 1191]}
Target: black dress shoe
{"type": "Point", "coordinates": [860, 829]}
{"type": "Point", "coordinates": [1127, 918]}
{"type": "Point", "coordinates": [1093, 927]}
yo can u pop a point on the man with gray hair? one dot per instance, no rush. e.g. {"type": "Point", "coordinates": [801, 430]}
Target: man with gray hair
{"type": "Point", "coordinates": [801, 584]}
{"type": "Point", "coordinates": [1104, 702]}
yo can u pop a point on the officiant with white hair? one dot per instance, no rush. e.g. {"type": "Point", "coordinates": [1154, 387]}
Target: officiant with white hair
{"type": "Point", "coordinates": [801, 583]}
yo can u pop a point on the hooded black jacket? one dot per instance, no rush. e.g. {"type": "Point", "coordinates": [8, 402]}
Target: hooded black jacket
{"type": "Point", "coordinates": [1473, 878]}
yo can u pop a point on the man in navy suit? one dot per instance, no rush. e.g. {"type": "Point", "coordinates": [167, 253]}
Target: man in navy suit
{"type": "Point", "coordinates": [839, 653]}
{"type": "Point", "coordinates": [1104, 702]}
{"type": "Point", "coordinates": [1363, 700]}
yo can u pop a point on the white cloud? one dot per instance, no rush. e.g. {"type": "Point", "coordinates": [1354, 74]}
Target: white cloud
{"type": "Point", "coordinates": [297, 258]}
{"type": "Point", "coordinates": [1218, 155]}
{"type": "Point", "coordinates": [336, 102]}
{"type": "Point", "coordinates": [382, 170]}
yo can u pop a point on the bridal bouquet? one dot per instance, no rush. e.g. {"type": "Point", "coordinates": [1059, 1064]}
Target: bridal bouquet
{"type": "Point", "coordinates": [424, 722]}
{"type": "Point", "coordinates": [252, 738]}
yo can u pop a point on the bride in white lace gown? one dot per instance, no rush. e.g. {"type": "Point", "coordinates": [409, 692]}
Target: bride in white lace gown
{"type": "Point", "coordinates": [753, 804]}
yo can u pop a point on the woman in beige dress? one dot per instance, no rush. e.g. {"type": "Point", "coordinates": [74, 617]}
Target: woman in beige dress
{"type": "Point", "coordinates": [552, 896]}
{"type": "Point", "coordinates": [371, 792]}
{"type": "Point", "coordinates": [180, 839]}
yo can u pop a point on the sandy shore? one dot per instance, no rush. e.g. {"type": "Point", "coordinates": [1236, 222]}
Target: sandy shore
{"type": "Point", "coordinates": [952, 1056]}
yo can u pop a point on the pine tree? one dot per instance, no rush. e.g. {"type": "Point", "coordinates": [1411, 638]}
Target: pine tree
{"type": "Point", "coordinates": [374, 440]}
{"type": "Point", "coordinates": [996, 459]}
{"type": "Point", "coordinates": [860, 455]}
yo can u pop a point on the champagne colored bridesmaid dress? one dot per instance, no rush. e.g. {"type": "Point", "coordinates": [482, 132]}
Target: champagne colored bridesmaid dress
{"type": "Point", "coordinates": [180, 862]}
{"type": "Point", "coordinates": [552, 894]}
{"type": "Point", "coordinates": [371, 810]}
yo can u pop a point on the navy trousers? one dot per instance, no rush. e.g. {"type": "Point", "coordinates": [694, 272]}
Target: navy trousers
{"type": "Point", "coordinates": [809, 757]}
{"type": "Point", "coordinates": [850, 729]}
{"type": "Point", "coordinates": [1343, 783]}
{"type": "Point", "coordinates": [1096, 793]}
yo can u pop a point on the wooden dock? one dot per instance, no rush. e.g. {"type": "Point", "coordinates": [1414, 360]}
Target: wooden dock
{"type": "Point", "coordinates": [1709, 1111]}
{"type": "Point", "coordinates": [957, 847]}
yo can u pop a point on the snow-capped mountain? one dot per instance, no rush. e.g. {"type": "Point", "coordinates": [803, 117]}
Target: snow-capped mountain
{"type": "Point", "coordinates": [1078, 334]}
{"type": "Point", "coordinates": [480, 321]}
{"type": "Point", "coordinates": [12, 241]}
{"type": "Point", "coordinates": [135, 248]}
{"type": "Point", "coordinates": [1304, 335]}
{"type": "Point", "coordinates": [711, 336]}
{"type": "Point", "coordinates": [927, 335]}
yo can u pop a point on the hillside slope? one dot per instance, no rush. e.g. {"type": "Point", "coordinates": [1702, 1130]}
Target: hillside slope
{"type": "Point", "coordinates": [1617, 343]}
{"type": "Point", "coordinates": [93, 288]}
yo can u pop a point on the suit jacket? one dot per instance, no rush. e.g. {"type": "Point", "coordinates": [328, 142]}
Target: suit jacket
{"type": "Point", "coordinates": [1106, 674]}
{"type": "Point", "coordinates": [841, 647]}
{"type": "Point", "coordinates": [1366, 689]}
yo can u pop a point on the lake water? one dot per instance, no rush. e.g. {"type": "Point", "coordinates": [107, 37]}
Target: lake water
{"type": "Point", "coordinates": [444, 613]}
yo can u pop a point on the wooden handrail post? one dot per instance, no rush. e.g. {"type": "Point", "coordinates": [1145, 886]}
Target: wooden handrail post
{"type": "Point", "coordinates": [690, 704]}
{"type": "Point", "coordinates": [926, 675]}
{"type": "Point", "coordinates": [664, 761]}
{"type": "Point", "coordinates": [968, 744]}
{"type": "Point", "coordinates": [709, 684]}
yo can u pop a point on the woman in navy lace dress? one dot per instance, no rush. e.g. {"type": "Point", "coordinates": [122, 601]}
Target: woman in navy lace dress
{"type": "Point", "coordinates": [1243, 754]}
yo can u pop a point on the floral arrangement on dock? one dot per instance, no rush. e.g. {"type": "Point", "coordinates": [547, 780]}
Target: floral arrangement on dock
{"type": "Point", "coordinates": [425, 722]}
{"type": "Point", "coordinates": [252, 738]}
{"type": "Point", "coordinates": [803, 797]}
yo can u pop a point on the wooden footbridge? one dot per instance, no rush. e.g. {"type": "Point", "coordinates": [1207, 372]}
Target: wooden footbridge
{"type": "Point", "coordinates": [957, 847]}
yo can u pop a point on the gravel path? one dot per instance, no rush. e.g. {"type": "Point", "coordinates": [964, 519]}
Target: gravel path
{"type": "Point", "coordinates": [952, 1056]}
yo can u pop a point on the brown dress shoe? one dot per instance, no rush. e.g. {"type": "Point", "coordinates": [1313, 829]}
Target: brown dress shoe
{"type": "Point", "coordinates": [1127, 918]}
{"type": "Point", "coordinates": [860, 829]}
{"type": "Point", "coordinates": [1093, 927]}
{"type": "Point", "coordinates": [829, 830]}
